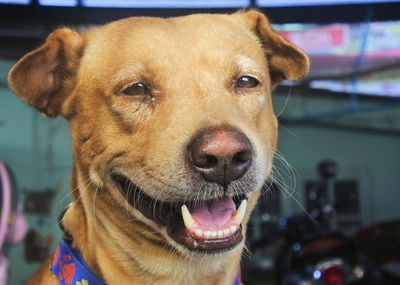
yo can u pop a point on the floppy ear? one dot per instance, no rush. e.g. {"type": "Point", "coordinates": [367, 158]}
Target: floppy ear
{"type": "Point", "coordinates": [285, 60]}
{"type": "Point", "coordinates": [44, 77]}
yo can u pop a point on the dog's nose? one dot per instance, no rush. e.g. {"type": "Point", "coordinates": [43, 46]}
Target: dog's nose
{"type": "Point", "coordinates": [221, 155]}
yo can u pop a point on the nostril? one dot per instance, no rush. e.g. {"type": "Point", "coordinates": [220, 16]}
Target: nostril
{"type": "Point", "coordinates": [206, 162]}
{"type": "Point", "coordinates": [211, 161]}
{"type": "Point", "coordinates": [241, 158]}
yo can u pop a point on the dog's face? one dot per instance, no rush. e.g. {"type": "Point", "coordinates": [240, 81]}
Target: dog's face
{"type": "Point", "coordinates": [172, 118]}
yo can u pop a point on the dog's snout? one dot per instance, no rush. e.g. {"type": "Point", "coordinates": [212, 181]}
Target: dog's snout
{"type": "Point", "coordinates": [221, 155]}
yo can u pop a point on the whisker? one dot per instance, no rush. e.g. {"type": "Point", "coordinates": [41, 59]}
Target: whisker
{"type": "Point", "coordinates": [94, 207]}
{"type": "Point", "coordinates": [278, 175]}
{"type": "Point", "coordinates": [73, 190]}
{"type": "Point", "coordinates": [286, 102]}
{"type": "Point", "coordinates": [56, 225]}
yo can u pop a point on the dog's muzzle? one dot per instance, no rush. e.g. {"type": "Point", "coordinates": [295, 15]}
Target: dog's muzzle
{"type": "Point", "coordinates": [218, 155]}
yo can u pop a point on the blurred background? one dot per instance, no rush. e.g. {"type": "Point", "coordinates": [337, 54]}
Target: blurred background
{"type": "Point", "coordinates": [330, 213]}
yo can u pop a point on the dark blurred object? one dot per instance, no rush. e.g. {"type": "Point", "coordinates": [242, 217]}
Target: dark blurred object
{"type": "Point", "coordinates": [39, 202]}
{"type": "Point", "coordinates": [333, 203]}
{"type": "Point", "coordinates": [264, 216]}
{"type": "Point", "coordinates": [346, 197]}
{"type": "Point", "coordinates": [37, 247]}
{"type": "Point", "coordinates": [263, 236]}
{"type": "Point", "coordinates": [313, 253]}
{"type": "Point", "coordinates": [318, 204]}
{"type": "Point", "coordinates": [328, 169]}
{"type": "Point", "coordinates": [270, 232]}
{"type": "Point", "coordinates": [292, 14]}
{"type": "Point", "coordinates": [381, 243]}
{"type": "Point", "coordinates": [318, 199]}
{"type": "Point", "coordinates": [14, 47]}
{"type": "Point", "coordinates": [270, 202]}
{"type": "Point", "coordinates": [314, 257]}
{"type": "Point", "coordinates": [316, 191]}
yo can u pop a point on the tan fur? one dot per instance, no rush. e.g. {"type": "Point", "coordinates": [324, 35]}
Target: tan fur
{"type": "Point", "coordinates": [191, 63]}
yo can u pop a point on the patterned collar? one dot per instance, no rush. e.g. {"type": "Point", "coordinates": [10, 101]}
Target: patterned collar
{"type": "Point", "coordinates": [70, 269]}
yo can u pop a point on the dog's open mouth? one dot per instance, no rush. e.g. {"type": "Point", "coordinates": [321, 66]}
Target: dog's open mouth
{"type": "Point", "coordinates": [211, 226]}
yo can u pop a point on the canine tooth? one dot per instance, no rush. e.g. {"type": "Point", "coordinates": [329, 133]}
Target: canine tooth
{"type": "Point", "coordinates": [207, 234]}
{"type": "Point", "coordinates": [226, 232]}
{"type": "Point", "coordinates": [213, 233]}
{"type": "Point", "coordinates": [233, 229]}
{"type": "Point", "coordinates": [239, 214]}
{"type": "Point", "coordinates": [220, 233]}
{"type": "Point", "coordinates": [187, 217]}
{"type": "Point", "coordinates": [199, 232]}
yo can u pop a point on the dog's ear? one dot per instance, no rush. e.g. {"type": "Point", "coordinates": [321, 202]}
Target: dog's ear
{"type": "Point", "coordinates": [286, 61]}
{"type": "Point", "coordinates": [44, 77]}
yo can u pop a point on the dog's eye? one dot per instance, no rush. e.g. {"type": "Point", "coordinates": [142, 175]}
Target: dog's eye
{"type": "Point", "coordinates": [247, 82]}
{"type": "Point", "coordinates": [136, 89]}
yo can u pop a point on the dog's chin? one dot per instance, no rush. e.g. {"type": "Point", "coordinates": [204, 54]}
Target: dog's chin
{"type": "Point", "coordinates": [211, 227]}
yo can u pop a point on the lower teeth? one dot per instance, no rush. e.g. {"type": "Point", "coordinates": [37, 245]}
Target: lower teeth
{"type": "Point", "coordinates": [221, 233]}
{"type": "Point", "coordinates": [193, 227]}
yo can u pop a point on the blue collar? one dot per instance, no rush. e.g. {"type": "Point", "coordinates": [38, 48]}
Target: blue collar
{"type": "Point", "coordinates": [70, 269]}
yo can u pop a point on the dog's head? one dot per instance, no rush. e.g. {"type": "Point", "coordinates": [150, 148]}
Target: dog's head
{"type": "Point", "coordinates": [171, 118]}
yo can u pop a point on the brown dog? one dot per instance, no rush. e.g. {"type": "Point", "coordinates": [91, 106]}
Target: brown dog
{"type": "Point", "coordinates": [173, 136]}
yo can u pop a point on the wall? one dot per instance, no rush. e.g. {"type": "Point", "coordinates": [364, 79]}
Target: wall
{"type": "Point", "coordinates": [374, 160]}
{"type": "Point", "coordinates": [365, 145]}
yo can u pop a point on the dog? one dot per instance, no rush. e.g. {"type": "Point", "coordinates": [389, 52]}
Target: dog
{"type": "Point", "coordinates": [173, 136]}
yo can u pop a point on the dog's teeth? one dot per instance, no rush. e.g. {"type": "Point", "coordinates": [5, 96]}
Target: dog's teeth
{"type": "Point", "coordinates": [199, 232]}
{"type": "Point", "coordinates": [239, 214]}
{"type": "Point", "coordinates": [187, 217]}
{"type": "Point", "coordinates": [193, 227]}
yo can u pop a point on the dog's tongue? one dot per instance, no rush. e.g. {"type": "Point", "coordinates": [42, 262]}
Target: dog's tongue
{"type": "Point", "coordinates": [215, 212]}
